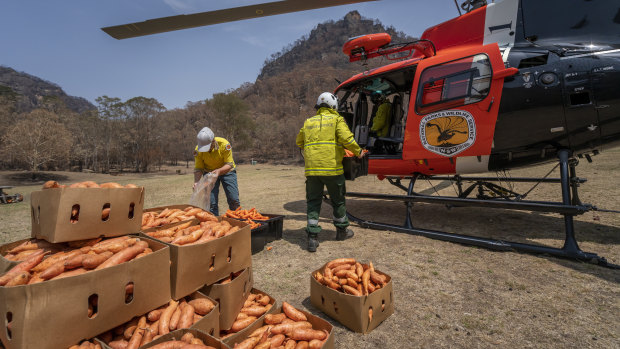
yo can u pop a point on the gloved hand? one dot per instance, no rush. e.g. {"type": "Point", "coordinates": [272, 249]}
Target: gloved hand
{"type": "Point", "coordinates": [363, 153]}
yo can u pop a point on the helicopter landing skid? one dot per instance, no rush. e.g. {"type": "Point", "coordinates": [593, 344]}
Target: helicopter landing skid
{"type": "Point", "coordinates": [569, 207]}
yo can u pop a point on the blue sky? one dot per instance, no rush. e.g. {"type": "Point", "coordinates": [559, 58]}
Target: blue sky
{"type": "Point", "coordinates": [61, 41]}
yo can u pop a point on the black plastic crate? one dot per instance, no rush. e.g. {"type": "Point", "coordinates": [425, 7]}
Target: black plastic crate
{"type": "Point", "coordinates": [275, 223]}
{"type": "Point", "coordinates": [259, 238]}
{"type": "Point", "coordinates": [354, 167]}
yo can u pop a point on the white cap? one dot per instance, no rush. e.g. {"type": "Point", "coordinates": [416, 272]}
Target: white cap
{"type": "Point", "coordinates": [205, 138]}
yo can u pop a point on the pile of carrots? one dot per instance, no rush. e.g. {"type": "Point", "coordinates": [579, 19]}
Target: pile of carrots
{"type": "Point", "coordinates": [187, 341]}
{"type": "Point", "coordinates": [187, 234]}
{"type": "Point", "coordinates": [144, 329]}
{"type": "Point", "coordinates": [289, 329]}
{"type": "Point", "coordinates": [174, 215]}
{"type": "Point", "coordinates": [349, 276]}
{"type": "Point", "coordinates": [86, 184]}
{"type": "Point", "coordinates": [86, 255]}
{"type": "Point", "coordinates": [248, 216]}
{"type": "Point", "coordinates": [254, 307]}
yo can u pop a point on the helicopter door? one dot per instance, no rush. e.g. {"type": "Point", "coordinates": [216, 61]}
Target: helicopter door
{"type": "Point", "coordinates": [457, 97]}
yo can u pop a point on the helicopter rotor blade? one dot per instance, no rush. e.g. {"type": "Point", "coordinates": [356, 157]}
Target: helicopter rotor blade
{"type": "Point", "coordinates": [166, 24]}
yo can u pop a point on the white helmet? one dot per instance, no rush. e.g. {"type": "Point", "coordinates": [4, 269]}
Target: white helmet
{"type": "Point", "coordinates": [327, 99]}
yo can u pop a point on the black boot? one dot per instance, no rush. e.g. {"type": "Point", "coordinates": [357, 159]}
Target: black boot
{"type": "Point", "coordinates": [313, 242]}
{"type": "Point", "coordinates": [343, 234]}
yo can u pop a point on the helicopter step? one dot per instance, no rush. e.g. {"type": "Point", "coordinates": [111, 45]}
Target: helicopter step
{"type": "Point", "coordinates": [569, 207]}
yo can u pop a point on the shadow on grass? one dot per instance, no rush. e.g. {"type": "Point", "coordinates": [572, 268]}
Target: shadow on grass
{"type": "Point", "coordinates": [498, 224]}
{"type": "Point", "coordinates": [30, 178]}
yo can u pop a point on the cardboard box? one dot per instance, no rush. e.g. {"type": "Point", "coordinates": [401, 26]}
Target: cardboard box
{"type": "Point", "coordinates": [317, 324]}
{"type": "Point", "coordinates": [176, 335]}
{"type": "Point", "coordinates": [54, 314]}
{"type": "Point", "coordinates": [51, 213]}
{"type": "Point", "coordinates": [230, 340]}
{"type": "Point", "coordinates": [194, 266]}
{"type": "Point", "coordinates": [208, 324]}
{"type": "Point", "coordinates": [352, 311]}
{"type": "Point", "coordinates": [231, 296]}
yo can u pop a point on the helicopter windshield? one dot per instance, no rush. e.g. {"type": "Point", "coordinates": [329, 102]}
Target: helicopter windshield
{"type": "Point", "coordinates": [375, 110]}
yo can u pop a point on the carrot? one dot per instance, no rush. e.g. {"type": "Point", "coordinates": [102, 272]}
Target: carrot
{"type": "Point", "coordinates": [129, 331]}
{"type": "Point", "coordinates": [315, 344]}
{"type": "Point", "coordinates": [307, 334]}
{"type": "Point", "coordinates": [24, 246]}
{"type": "Point", "coordinates": [351, 290]}
{"type": "Point", "coordinates": [186, 239]}
{"type": "Point", "coordinates": [202, 306]}
{"type": "Point", "coordinates": [241, 324]}
{"type": "Point", "coordinates": [187, 317]}
{"type": "Point", "coordinates": [293, 313]}
{"type": "Point", "coordinates": [290, 344]}
{"type": "Point", "coordinates": [105, 213]}
{"type": "Point", "coordinates": [110, 185]}
{"type": "Point", "coordinates": [124, 255]}
{"type": "Point", "coordinates": [92, 261]}
{"type": "Point", "coordinates": [302, 345]}
{"type": "Point", "coordinates": [341, 267]}
{"type": "Point", "coordinates": [73, 272]}
{"type": "Point", "coordinates": [286, 328]}
{"type": "Point", "coordinates": [136, 338]}
{"type": "Point", "coordinates": [50, 185]}
{"type": "Point", "coordinates": [377, 278]}
{"type": "Point", "coordinates": [277, 340]}
{"type": "Point", "coordinates": [260, 331]}
{"type": "Point", "coordinates": [150, 332]}
{"type": "Point", "coordinates": [53, 271]}
{"type": "Point", "coordinates": [164, 320]}
{"type": "Point", "coordinates": [339, 261]}
{"type": "Point", "coordinates": [263, 345]}
{"type": "Point", "coordinates": [352, 283]}
{"type": "Point", "coordinates": [24, 266]}
{"type": "Point", "coordinates": [248, 343]}
{"type": "Point", "coordinates": [19, 279]}
{"type": "Point", "coordinates": [274, 319]}
{"type": "Point", "coordinates": [115, 246]}
{"type": "Point", "coordinates": [365, 280]}
{"type": "Point", "coordinates": [174, 319]}
{"type": "Point", "coordinates": [256, 310]}
{"type": "Point", "coordinates": [74, 262]}
{"type": "Point", "coordinates": [154, 315]}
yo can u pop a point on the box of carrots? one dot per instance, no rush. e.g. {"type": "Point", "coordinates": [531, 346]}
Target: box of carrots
{"type": "Point", "coordinates": [231, 293]}
{"type": "Point", "coordinates": [204, 252]}
{"type": "Point", "coordinates": [85, 210]}
{"type": "Point", "coordinates": [195, 311]}
{"type": "Point", "coordinates": [91, 286]}
{"type": "Point", "coordinates": [285, 327]}
{"type": "Point", "coordinates": [353, 293]}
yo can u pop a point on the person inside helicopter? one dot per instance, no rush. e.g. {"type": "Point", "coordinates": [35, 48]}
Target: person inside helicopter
{"type": "Point", "coordinates": [381, 120]}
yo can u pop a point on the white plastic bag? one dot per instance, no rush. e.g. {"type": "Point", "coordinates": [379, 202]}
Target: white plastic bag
{"type": "Point", "coordinates": [201, 197]}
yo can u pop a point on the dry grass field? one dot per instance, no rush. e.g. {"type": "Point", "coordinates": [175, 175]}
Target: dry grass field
{"type": "Point", "coordinates": [446, 295]}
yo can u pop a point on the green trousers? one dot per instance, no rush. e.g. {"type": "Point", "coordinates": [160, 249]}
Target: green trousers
{"type": "Point", "coordinates": [314, 197]}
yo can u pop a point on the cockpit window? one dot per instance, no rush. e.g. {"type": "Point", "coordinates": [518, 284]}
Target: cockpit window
{"type": "Point", "coordinates": [453, 84]}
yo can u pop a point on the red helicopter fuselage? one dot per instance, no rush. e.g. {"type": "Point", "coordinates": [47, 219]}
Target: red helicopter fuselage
{"type": "Point", "coordinates": [507, 87]}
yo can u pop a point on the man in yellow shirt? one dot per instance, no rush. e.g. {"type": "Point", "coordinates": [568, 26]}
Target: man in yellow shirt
{"type": "Point", "coordinates": [214, 155]}
{"type": "Point", "coordinates": [323, 139]}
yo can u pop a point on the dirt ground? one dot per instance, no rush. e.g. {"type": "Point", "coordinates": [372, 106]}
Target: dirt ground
{"type": "Point", "coordinates": [446, 294]}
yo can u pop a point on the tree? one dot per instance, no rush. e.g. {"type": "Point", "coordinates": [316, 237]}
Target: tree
{"type": "Point", "coordinates": [38, 139]}
{"type": "Point", "coordinates": [110, 111]}
{"type": "Point", "coordinates": [231, 119]}
{"type": "Point", "coordinates": [140, 112]}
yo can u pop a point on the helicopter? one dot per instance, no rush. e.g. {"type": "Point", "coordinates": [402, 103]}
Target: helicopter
{"type": "Point", "coordinates": [504, 85]}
